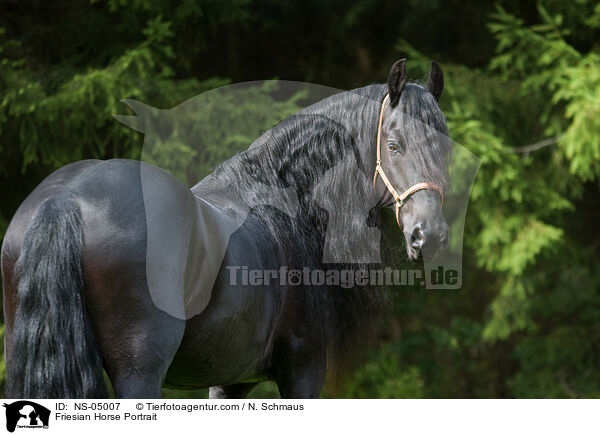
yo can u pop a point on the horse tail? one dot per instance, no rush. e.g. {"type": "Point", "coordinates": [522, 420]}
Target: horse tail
{"type": "Point", "coordinates": [52, 352]}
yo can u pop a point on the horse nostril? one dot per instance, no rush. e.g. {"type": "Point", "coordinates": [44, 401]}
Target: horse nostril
{"type": "Point", "coordinates": [443, 239]}
{"type": "Point", "coordinates": [417, 237]}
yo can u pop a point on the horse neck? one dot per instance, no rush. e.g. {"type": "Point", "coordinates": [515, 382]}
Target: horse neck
{"type": "Point", "coordinates": [328, 149]}
{"type": "Point", "coordinates": [353, 115]}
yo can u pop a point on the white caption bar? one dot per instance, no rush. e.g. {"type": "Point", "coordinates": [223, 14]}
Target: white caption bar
{"type": "Point", "coordinates": [297, 416]}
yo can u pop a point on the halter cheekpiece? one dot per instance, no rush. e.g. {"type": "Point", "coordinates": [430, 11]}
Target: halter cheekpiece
{"type": "Point", "coordinates": [400, 199]}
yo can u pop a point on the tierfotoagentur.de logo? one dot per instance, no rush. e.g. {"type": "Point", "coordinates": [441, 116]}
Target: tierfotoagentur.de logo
{"type": "Point", "coordinates": [25, 414]}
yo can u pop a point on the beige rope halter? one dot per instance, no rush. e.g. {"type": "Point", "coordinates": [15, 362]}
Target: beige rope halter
{"type": "Point", "coordinates": [400, 199]}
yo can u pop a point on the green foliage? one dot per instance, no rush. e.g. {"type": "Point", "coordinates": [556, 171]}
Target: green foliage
{"type": "Point", "coordinates": [2, 362]}
{"type": "Point", "coordinates": [542, 58]}
{"type": "Point", "coordinates": [384, 377]}
{"type": "Point", "coordinates": [71, 120]}
{"type": "Point", "coordinates": [190, 139]}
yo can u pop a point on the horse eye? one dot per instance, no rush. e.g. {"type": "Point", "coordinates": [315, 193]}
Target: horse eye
{"type": "Point", "coordinates": [393, 147]}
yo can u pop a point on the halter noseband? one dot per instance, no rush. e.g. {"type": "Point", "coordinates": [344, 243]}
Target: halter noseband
{"type": "Point", "coordinates": [400, 199]}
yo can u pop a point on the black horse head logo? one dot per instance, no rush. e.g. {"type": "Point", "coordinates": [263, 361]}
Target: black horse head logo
{"type": "Point", "coordinates": [31, 413]}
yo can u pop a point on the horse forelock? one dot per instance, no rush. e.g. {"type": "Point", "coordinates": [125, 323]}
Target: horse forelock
{"type": "Point", "coordinates": [425, 133]}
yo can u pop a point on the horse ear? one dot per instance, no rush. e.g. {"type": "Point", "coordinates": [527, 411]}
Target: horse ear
{"type": "Point", "coordinates": [396, 80]}
{"type": "Point", "coordinates": [435, 81]}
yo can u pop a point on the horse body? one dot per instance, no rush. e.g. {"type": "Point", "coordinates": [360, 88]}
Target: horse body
{"type": "Point", "coordinates": [229, 342]}
{"type": "Point", "coordinates": [76, 269]}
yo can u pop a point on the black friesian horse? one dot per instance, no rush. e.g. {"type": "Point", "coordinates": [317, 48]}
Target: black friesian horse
{"type": "Point", "coordinates": [76, 294]}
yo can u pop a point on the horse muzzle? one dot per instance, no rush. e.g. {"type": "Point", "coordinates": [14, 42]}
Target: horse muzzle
{"type": "Point", "coordinates": [426, 240]}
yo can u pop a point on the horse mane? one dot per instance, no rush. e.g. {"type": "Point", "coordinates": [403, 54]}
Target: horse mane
{"type": "Point", "coordinates": [332, 140]}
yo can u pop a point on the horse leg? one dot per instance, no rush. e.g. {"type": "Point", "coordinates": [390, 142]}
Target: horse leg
{"type": "Point", "coordinates": [139, 357]}
{"type": "Point", "coordinates": [236, 391]}
{"type": "Point", "coordinates": [137, 340]}
{"type": "Point", "coordinates": [138, 362]}
{"type": "Point", "coordinates": [300, 369]}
